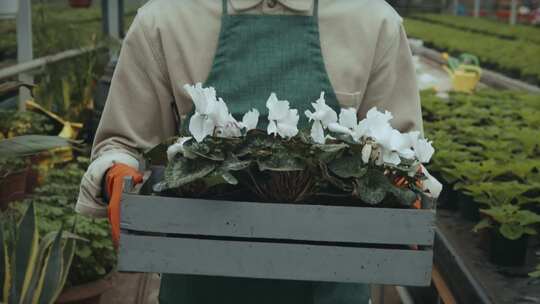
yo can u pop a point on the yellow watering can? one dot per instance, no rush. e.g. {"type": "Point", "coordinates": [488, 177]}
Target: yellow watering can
{"type": "Point", "coordinates": [464, 72]}
{"type": "Point", "coordinates": [70, 130]}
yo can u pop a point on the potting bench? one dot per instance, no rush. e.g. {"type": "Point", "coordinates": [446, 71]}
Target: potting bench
{"type": "Point", "coordinates": [275, 241]}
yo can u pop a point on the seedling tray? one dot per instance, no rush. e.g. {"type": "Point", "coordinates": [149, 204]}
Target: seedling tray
{"type": "Point", "coordinates": [274, 241]}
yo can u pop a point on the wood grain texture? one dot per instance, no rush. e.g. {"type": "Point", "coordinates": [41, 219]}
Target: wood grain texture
{"type": "Point", "coordinates": [277, 221]}
{"type": "Point", "coordinates": [277, 261]}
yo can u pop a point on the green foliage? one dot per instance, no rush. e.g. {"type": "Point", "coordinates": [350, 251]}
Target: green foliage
{"type": "Point", "coordinates": [515, 57]}
{"type": "Point", "coordinates": [511, 221]}
{"type": "Point", "coordinates": [16, 123]}
{"type": "Point", "coordinates": [536, 273]}
{"type": "Point", "coordinates": [56, 27]}
{"type": "Point", "coordinates": [9, 165]}
{"type": "Point", "coordinates": [277, 170]}
{"type": "Point", "coordinates": [484, 26]}
{"type": "Point", "coordinates": [55, 202]}
{"type": "Point", "coordinates": [487, 147]}
{"type": "Point", "coordinates": [33, 271]}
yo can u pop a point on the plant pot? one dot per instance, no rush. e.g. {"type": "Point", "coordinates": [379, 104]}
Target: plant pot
{"type": "Point", "coordinates": [80, 3]}
{"type": "Point", "coordinates": [448, 198]}
{"type": "Point", "coordinates": [468, 208]}
{"type": "Point", "coordinates": [505, 252]}
{"type": "Point", "coordinates": [12, 187]}
{"type": "Point", "coordinates": [89, 293]}
{"type": "Point", "coordinates": [9, 9]}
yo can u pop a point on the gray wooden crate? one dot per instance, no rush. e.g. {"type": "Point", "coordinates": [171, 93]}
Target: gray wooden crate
{"type": "Point", "coordinates": [277, 241]}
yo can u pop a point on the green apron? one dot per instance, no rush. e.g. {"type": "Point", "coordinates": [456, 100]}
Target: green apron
{"type": "Point", "coordinates": [258, 55]}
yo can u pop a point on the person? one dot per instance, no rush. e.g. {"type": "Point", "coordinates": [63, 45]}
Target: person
{"type": "Point", "coordinates": [356, 51]}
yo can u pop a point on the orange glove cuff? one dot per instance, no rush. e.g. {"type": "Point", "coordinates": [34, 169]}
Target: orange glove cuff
{"type": "Point", "coordinates": [114, 183]}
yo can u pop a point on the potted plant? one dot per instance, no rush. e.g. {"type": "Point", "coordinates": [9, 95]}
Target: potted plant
{"type": "Point", "coordinates": [80, 3]}
{"type": "Point", "coordinates": [13, 176]}
{"type": "Point", "coordinates": [93, 260]}
{"type": "Point", "coordinates": [42, 265]}
{"type": "Point", "coordinates": [280, 177]}
{"type": "Point", "coordinates": [510, 228]}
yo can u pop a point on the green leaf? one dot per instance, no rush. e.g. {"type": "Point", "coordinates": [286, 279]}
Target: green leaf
{"type": "Point", "coordinates": [235, 165]}
{"type": "Point", "coordinates": [26, 249]}
{"type": "Point", "coordinates": [51, 273]}
{"type": "Point", "coordinates": [3, 257]}
{"type": "Point", "coordinates": [31, 144]}
{"type": "Point", "coordinates": [372, 187]}
{"type": "Point", "coordinates": [67, 257]}
{"type": "Point", "coordinates": [511, 231]}
{"type": "Point", "coordinates": [406, 196]}
{"type": "Point", "coordinates": [348, 166]}
{"type": "Point", "coordinates": [484, 223]}
{"type": "Point", "coordinates": [229, 178]}
{"type": "Point", "coordinates": [535, 274]}
{"type": "Point", "coordinates": [331, 148]}
{"type": "Point", "coordinates": [280, 162]}
{"type": "Point", "coordinates": [184, 171]}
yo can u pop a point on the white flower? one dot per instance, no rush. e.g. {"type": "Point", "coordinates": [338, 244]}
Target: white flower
{"type": "Point", "coordinates": [204, 120]}
{"type": "Point", "coordinates": [412, 137]}
{"type": "Point", "coordinates": [203, 98]}
{"type": "Point", "coordinates": [322, 118]}
{"type": "Point", "coordinates": [220, 114]}
{"type": "Point", "coordinates": [423, 150]}
{"type": "Point", "coordinates": [211, 114]}
{"type": "Point", "coordinates": [201, 125]}
{"type": "Point", "coordinates": [283, 121]}
{"type": "Point", "coordinates": [250, 120]}
{"type": "Point", "coordinates": [390, 157]}
{"type": "Point", "coordinates": [348, 118]}
{"type": "Point", "coordinates": [431, 184]}
{"type": "Point", "coordinates": [366, 153]}
{"type": "Point", "coordinates": [278, 109]}
{"type": "Point", "coordinates": [323, 113]}
{"type": "Point", "coordinates": [177, 147]}
{"type": "Point", "coordinates": [347, 122]}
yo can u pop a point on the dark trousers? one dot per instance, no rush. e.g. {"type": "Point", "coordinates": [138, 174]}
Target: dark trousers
{"type": "Point", "coordinates": [186, 289]}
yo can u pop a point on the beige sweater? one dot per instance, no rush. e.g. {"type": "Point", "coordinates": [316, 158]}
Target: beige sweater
{"type": "Point", "coordinates": [173, 42]}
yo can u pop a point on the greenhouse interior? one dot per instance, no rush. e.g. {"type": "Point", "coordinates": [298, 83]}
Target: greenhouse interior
{"type": "Point", "coordinates": [270, 151]}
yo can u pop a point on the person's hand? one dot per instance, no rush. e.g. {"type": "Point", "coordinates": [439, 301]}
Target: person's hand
{"type": "Point", "coordinates": [114, 182]}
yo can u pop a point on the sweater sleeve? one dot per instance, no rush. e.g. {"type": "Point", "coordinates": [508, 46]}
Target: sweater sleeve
{"type": "Point", "coordinates": [132, 120]}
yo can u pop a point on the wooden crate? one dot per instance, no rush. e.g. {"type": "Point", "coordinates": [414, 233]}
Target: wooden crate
{"type": "Point", "coordinates": [275, 241]}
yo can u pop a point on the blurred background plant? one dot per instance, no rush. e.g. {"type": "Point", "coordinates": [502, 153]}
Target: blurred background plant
{"type": "Point", "coordinates": [55, 206]}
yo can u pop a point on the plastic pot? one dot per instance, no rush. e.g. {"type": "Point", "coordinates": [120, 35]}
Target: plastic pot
{"type": "Point", "coordinates": [505, 252]}
{"type": "Point", "coordinates": [80, 3]}
{"type": "Point", "coordinates": [12, 188]}
{"type": "Point", "coordinates": [468, 208]}
{"type": "Point", "coordinates": [89, 293]}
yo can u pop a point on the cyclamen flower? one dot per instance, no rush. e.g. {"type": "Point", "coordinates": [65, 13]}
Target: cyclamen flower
{"type": "Point", "coordinates": [212, 115]}
{"type": "Point", "coordinates": [204, 120]}
{"type": "Point", "coordinates": [347, 122]}
{"type": "Point", "coordinates": [283, 121]}
{"type": "Point", "coordinates": [322, 117]}
{"type": "Point", "coordinates": [250, 120]}
{"type": "Point", "coordinates": [423, 150]}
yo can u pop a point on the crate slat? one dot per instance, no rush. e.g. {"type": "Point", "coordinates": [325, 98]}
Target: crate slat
{"type": "Point", "coordinates": [275, 260]}
{"type": "Point", "coordinates": [277, 221]}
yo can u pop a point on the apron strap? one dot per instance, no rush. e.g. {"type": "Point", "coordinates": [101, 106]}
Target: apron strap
{"type": "Point", "coordinates": [225, 7]}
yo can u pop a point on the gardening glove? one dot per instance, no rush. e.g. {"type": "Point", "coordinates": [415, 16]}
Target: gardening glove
{"type": "Point", "coordinates": [114, 183]}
